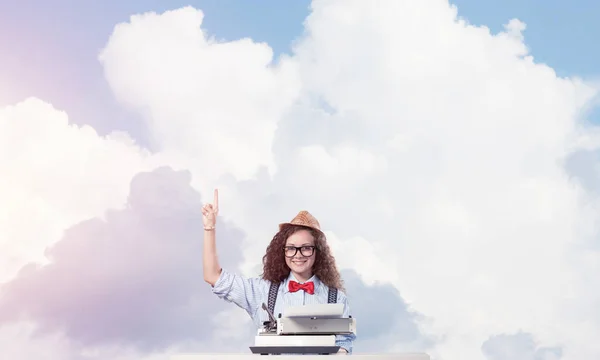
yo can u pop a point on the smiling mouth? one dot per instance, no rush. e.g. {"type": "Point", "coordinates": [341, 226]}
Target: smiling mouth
{"type": "Point", "coordinates": [299, 262]}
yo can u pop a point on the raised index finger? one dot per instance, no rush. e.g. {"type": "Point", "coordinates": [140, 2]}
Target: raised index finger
{"type": "Point", "coordinates": [216, 199]}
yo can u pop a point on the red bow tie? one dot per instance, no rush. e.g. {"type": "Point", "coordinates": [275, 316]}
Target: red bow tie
{"type": "Point", "coordinates": [309, 287]}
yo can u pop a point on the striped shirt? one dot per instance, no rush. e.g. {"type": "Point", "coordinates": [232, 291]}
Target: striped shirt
{"type": "Point", "coordinates": [250, 293]}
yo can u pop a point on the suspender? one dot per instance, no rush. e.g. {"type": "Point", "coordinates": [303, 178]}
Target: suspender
{"type": "Point", "coordinates": [331, 296]}
{"type": "Point", "coordinates": [272, 297]}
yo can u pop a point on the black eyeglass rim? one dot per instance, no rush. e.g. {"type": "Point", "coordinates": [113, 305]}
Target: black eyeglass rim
{"type": "Point", "coordinates": [314, 248]}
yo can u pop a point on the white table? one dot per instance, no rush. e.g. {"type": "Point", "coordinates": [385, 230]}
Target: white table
{"type": "Point", "coordinates": [401, 356]}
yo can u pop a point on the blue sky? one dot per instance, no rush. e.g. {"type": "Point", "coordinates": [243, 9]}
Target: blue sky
{"type": "Point", "coordinates": [559, 33]}
{"type": "Point", "coordinates": [60, 40]}
{"type": "Point", "coordinates": [432, 195]}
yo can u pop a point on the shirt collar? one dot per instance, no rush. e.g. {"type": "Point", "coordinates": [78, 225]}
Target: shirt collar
{"type": "Point", "coordinates": [314, 279]}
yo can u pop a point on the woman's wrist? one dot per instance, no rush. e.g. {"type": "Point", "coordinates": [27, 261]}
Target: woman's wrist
{"type": "Point", "coordinates": [209, 228]}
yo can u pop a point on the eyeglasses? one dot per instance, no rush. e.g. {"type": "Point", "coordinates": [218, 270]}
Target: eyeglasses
{"type": "Point", "coordinates": [291, 251]}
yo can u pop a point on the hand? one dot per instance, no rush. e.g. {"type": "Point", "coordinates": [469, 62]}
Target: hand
{"type": "Point", "coordinates": [342, 351]}
{"type": "Point", "coordinates": [210, 212]}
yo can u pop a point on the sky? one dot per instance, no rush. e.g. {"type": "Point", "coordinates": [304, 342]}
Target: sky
{"type": "Point", "coordinates": [449, 150]}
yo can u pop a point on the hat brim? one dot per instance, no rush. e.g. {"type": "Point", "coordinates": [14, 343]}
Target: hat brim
{"type": "Point", "coordinates": [282, 225]}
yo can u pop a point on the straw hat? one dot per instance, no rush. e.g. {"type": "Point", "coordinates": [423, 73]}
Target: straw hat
{"type": "Point", "coordinates": [304, 218]}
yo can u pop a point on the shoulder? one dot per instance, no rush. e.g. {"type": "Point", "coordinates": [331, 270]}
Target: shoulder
{"type": "Point", "coordinates": [267, 285]}
{"type": "Point", "coordinates": [260, 281]}
{"type": "Point", "coordinates": [256, 282]}
{"type": "Point", "coordinates": [323, 287]}
{"type": "Point", "coordinates": [338, 294]}
{"type": "Point", "coordinates": [341, 296]}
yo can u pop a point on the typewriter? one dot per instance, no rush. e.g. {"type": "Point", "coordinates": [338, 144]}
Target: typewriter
{"type": "Point", "coordinates": [307, 329]}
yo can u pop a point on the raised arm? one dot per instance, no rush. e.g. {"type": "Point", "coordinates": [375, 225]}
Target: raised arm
{"type": "Point", "coordinates": [211, 267]}
{"type": "Point", "coordinates": [245, 293]}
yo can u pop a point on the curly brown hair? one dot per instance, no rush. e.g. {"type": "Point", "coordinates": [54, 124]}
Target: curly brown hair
{"type": "Point", "coordinates": [276, 270]}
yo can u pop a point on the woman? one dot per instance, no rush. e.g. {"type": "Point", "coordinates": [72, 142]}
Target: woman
{"type": "Point", "coordinates": [298, 270]}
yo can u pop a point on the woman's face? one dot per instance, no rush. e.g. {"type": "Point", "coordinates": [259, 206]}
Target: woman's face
{"type": "Point", "coordinates": [300, 254]}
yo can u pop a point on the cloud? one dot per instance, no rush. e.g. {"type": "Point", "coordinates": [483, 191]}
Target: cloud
{"type": "Point", "coordinates": [384, 319]}
{"type": "Point", "coordinates": [518, 346]}
{"type": "Point", "coordinates": [55, 174]}
{"type": "Point", "coordinates": [433, 149]}
{"type": "Point", "coordinates": [584, 166]}
{"type": "Point", "coordinates": [439, 143]}
{"type": "Point", "coordinates": [19, 341]}
{"type": "Point", "coordinates": [186, 84]}
{"type": "Point", "coordinates": [133, 279]}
